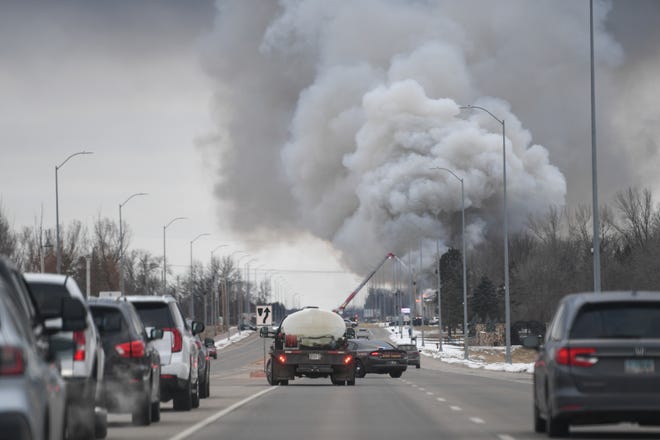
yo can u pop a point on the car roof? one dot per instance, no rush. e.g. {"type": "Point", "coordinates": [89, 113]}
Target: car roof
{"type": "Point", "coordinates": [50, 278]}
{"type": "Point", "coordinates": [149, 298]}
{"type": "Point", "coordinates": [578, 299]}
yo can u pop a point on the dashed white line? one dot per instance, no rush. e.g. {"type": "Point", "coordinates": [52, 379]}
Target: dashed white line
{"type": "Point", "coordinates": [456, 408]}
{"type": "Point", "coordinates": [505, 437]}
{"type": "Point", "coordinates": [428, 393]}
{"type": "Point", "coordinates": [441, 399]}
{"type": "Point", "coordinates": [477, 420]}
{"type": "Point", "coordinates": [422, 389]}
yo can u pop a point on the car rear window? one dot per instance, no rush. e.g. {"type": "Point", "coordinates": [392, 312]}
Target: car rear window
{"type": "Point", "coordinates": [408, 347]}
{"type": "Point", "coordinates": [617, 320]}
{"type": "Point", "coordinates": [154, 314]}
{"type": "Point", "coordinates": [109, 320]}
{"type": "Point", "coordinates": [49, 297]}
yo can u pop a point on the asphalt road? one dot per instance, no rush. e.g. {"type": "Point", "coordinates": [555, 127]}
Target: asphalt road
{"type": "Point", "coordinates": [436, 401]}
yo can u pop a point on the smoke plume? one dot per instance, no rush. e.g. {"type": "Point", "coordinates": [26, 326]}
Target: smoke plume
{"type": "Point", "coordinates": [332, 115]}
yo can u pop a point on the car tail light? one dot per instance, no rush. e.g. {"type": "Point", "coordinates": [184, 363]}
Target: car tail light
{"type": "Point", "coordinates": [177, 340]}
{"type": "Point", "coordinates": [11, 361]}
{"type": "Point", "coordinates": [348, 359]}
{"type": "Point", "coordinates": [576, 357]}
{"type": "Point", "coordinates": [375, 353]}
{"type": "Point", "coordinates": [132, 349]}
{"type": "Point", "coordinates": [281, 358]}
{"type": "Point", "coordinates": [79, 343]}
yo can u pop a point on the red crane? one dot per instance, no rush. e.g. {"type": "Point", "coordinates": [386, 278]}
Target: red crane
{"type": "Point", "coordinates": [343, 305]}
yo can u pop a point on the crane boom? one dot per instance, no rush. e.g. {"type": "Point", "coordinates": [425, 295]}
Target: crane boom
{"type": "Point", "coordinates": [343, 305]}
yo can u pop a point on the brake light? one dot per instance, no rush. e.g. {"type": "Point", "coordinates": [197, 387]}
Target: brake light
{"type": "Point", "coordinates": [281, 358]}
{"type": "Point", "coordinates": [348, 359]}
{"type": "Point", "coordinates": [11, 361]}
{"type": "Point", "coordinates": [177, 340]}
{"type": "Point", "coordinates": [132, 349]}
{"type": "Point", "coordinates": [79, 342]}
{"type": "Point", "coordinates": [576, 357]}
{"type": "Point", "coordinates": [375, 353]}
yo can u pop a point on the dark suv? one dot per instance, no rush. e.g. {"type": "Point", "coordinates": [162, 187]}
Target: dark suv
{"type": "Point", "coordinates": [600, 362]}
{"type": "Point", "coordinates": [132, 364]}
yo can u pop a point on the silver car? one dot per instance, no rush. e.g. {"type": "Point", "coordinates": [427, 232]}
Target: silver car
{"type": "Point", "coordinates": [33, 402]}
{"type": "Point", "coordinates": [600, 362]}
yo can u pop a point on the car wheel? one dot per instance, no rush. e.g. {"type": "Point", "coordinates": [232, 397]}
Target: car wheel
{"type": "Point", "coordinates": [142, 414]}
{"type": "Point", "coordinates": [183, 398]}
{"type": "Point", "coordinates": [417, 366]}
{"type": "Point", "coordinates": [350, 382]}
{"type": "Point", "coordinates": [359, 369]}
{"type": "Point", "coordinates": [539, 423]}
{"type": "Point", "coordinates": [269, 372]}
{"type": "Point", "coordinates": [101, 423]}
{"type": "Point", "coordinates": [284, 382]}
{"type": "Point", "coordinates": [155, 411]}
{"type": "Point", "coordinates": [202, 388]}
{"type": "Point", "coordinates": [395, 374]}
{"type": "Point", "coordinates": [195, 395]}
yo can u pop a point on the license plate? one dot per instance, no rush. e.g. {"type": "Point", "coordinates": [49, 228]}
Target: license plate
{"type": "Point", "coordinates": [639, 366]}
{"type": "Point", "coordinates": [393, 362]}
{"type": "Point", "coordinates": [315, 356]}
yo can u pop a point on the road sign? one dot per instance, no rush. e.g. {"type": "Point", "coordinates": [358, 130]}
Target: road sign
{"type": "Point", "coordinates": [265, 315]}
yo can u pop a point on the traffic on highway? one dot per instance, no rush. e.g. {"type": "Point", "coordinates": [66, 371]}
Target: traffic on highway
{"type": "Point", "coordinates": [304, 219]}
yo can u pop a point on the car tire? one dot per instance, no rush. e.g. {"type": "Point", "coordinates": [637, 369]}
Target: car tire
{"type": "Point", "coordinates": [183, 399]}
{"type": "Point", "coordinates": [155, 411]}
{"type": "Point", "coordinates": [395, 374]}
{"type": "Point", "coordinates": [539, 422]}
{"type": "Point", "coordinates": [350, 382]}
{"type": "Point", "coordinates": [284, 382]}
{"type": "Point", "coordinates": [101, 424]}
{"type": "Point", "coordinates": [202, 388]}
{"type": "Point", "coordinates": [142, 414]}
{"type": "Point", "coordinates": [269, 373]}
{"type": "Point", "coordinates": [418, 366]}
{"type": "Point", "coordinates": [195, 395]}
{"type": "Point", "coordinates": [359, 369]}
{"type": "Point", "coordinates": [208, 384]}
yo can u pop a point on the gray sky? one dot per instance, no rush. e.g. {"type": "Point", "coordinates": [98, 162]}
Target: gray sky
{"type": "Point", "coordinates": [263, 121]}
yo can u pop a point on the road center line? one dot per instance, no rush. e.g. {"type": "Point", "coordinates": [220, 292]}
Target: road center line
{"type": "Point", "coordinates": [429, 393]}
{"type": "Point", "coordinates": [455, 408]}
{"type": "Point", "coordinates": [207, 421]}
{"type": "Point", "coordinates": [505, 437]}
{"type": "Point", "coordinates": [477, 420]}
{"type": "Point", "coordinates": [441, 399]}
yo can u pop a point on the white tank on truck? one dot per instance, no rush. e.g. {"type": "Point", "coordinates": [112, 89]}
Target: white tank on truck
{"type": "Point", "coordinates": [310, 343]}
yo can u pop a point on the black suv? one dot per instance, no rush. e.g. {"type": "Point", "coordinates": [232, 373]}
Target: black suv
{"type": "Point", "coordinates": [132, 364]}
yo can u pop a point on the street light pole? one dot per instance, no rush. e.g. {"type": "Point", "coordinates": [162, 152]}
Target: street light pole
{"type": "Point", "coordinates": [594, 159]}
{"type": "Point", "coordinates": [507, 303]}
{"type": "Point", "coordinates": [465, 325]}
{"type": "Point", "coordinates": [215, 303]}
{"type": "Point", "coordinates": [165, 253]}
{"type": "Point", "coordinates": [192, 284]}
{"type": "Point", "coordinates": [58, 244]}
{"type": "Point", "coordinates": [121, 242]}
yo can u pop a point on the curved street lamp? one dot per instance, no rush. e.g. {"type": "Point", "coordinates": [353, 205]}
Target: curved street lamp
{"type": "Point", "coordinates": [165, 253]}
{"type": "Point", "coordinates": [121, 242]}
{"type": "Point", "coordinates": [192, 284]}
{"type": "Point", "coordinates": [507, 308]}
{"type": "Point", "coordinates": [465, 321]}
{"type": "Point", "coordinates": [58, 244]}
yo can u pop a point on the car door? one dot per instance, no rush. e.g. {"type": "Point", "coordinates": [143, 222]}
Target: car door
{"type": "Point", "coordinates": [543, 364]}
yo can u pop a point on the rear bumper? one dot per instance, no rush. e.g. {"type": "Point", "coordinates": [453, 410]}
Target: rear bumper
{"type": "Point", "coordinates": [384, 368]}
{"type": "Point", "coordinates": [579, 408]}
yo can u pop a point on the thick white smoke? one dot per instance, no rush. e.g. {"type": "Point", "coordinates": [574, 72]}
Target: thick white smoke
{"type": "Point", "coordinates": [334, 113]}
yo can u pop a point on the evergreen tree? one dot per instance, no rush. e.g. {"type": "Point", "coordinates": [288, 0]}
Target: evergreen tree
{"type": "Point", "coordinates": [484, 304]}
{"type": "Point", "coordinates": [451, 274]}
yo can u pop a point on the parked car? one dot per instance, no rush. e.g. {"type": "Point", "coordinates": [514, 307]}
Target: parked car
{"type": "Point", "coordinates": [179, 379]}
{"type": "Point", "coordinates": [33, 403]}
{"type": "Point", "coordinates": [363, 333]}
{"type": "Point", "coordinates": [210, 346]}
{"type": "Point", "coordinates": [413, 354]}
{"type": "Point", "coordinates": [380, 357]}
{"type": "Point", "coordinates": [600, 362]}
{"type": "Point", "coordinates": [132, 363]}
{"type": "Point", "coordinates": [81, 359]}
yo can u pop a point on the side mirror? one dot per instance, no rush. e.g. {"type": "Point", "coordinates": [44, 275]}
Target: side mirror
{"type": "Point", "coordinates": [74, 314]}
{"type": "Point", "coordinates": [197, 327]}
{"type": "Point", "coordinates": [209, 342]}
{"type": "Point", "coordinates": [156, 333]}
{"type": "Point", "coordinates": [532, 341]}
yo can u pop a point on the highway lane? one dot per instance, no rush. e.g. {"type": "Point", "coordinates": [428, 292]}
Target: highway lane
{"type": "Point", "coordinates": [438, 400]}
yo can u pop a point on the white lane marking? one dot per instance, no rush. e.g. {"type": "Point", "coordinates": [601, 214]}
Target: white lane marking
{"type": "Point", "coordinates": [441, 399]}
{"type": "Point", "coordinates": [428, 393]}
{"type": "Point", "coordinates": [477, 420]}
{"type": "Point", "coordinates": [505, 437]}
{"type": "Point", "coordinates": [196, 427]}
{"type": "Point", "coordinates": [455, 408]}
{"type": "Point", "coordinates": [422, 389]}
